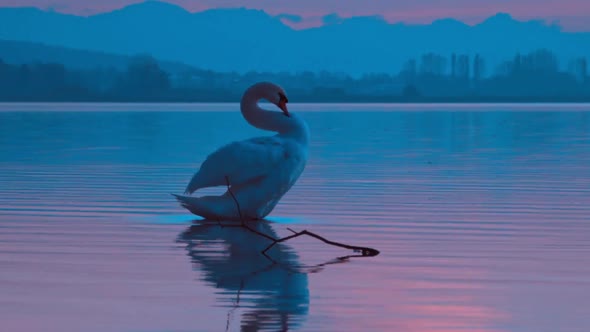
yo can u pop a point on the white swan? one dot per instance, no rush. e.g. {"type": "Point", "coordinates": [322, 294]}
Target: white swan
{"type": "Point", "coordinates": [260, 170]}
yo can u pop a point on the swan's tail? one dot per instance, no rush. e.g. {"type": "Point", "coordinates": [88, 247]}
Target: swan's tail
{"type": "Point", "coordinates": [208, 207]}
{"type": "Point", "coordinates": [190, 203]}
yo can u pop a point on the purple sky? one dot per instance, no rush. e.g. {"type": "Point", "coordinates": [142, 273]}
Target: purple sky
{"type": "Point", "coordinates": [573, 15]}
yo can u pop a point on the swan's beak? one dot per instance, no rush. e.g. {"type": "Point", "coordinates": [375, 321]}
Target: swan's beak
{"type": "Point", "coordinates": [283, 107]}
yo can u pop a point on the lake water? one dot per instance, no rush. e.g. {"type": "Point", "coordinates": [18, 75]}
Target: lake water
{"type": "Point", "coordinates": [481, 215]}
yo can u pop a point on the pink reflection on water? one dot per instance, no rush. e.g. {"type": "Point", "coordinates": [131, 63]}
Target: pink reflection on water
{"type": "Point", "coordinates": [84, 276]}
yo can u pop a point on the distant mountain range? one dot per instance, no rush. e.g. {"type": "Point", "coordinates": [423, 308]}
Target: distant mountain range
{"type": "Point", "coordinates": [243, 40]}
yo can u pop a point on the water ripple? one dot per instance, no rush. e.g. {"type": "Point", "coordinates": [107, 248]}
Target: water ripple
{"type": "Point", "coordinates": [482, 220]}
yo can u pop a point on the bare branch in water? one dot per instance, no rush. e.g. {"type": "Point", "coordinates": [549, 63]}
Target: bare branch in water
{"type": "Point", "coordinates": [235, 199]}
{"type": "Point", "coordinates": [236, 305]}
{"type": "Point", "coordinates": [242, 217]}
{"type": "Point", "coordinates": [365, 251]}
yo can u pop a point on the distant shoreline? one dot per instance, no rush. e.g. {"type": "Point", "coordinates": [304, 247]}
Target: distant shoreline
{"type": "Point", "coordinates": [324, 101]}
{"type": "Point", "coordinates": [530, 78]}
{"type": "Point", "coordinates": [298, 107]}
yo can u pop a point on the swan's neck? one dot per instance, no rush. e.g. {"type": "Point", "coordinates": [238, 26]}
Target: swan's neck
{"type": "Point", "coordinates": [292, 127]}
{"type": "Point", "coordinates": [258, 117]}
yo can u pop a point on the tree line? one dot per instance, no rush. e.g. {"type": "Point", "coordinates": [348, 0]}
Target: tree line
{"type": "Point", "coordinates": [535, 76]}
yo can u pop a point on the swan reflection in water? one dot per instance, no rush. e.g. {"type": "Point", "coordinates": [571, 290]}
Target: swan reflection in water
{"type": "Point", "coordinates": [272, 294]}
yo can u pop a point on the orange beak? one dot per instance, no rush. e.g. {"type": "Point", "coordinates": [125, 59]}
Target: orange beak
{"type": "Point", "coordinates": [283, 107]}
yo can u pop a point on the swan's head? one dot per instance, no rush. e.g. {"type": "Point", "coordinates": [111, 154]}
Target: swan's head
{"type": "Point", "coordinates": [274, 94]}
{"type": "Point", "coordinates": [282, 104]}
{"type": "Point", "coordinates": [277, 96]}
{"type": "Point", "coordinates": [285, 123]}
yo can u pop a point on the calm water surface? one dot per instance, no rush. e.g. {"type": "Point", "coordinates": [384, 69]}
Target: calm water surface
{"type": "Point", "coordinates": [481, 214]}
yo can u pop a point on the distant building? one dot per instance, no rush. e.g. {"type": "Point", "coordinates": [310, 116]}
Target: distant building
{"type": "Point", "coordinates": [433, 64]}
{"type": "Point", "coordinates": [540, 61]}
{"type": "Point", "coordinates": [579, 69]}
{"type": "Point", "coordinates": [462, 67]}
{"type": "Point", "coordinates": [478, 68]}
{"type": "Point", "coordinates": [453, 65]}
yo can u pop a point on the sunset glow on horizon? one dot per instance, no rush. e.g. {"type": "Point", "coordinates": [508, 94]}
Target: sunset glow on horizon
{"type": "Point", "coordinates": [572, 15]}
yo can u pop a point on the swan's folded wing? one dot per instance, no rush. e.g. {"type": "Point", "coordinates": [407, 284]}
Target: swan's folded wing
{"type": "Point", "coordinates": [241, 162]}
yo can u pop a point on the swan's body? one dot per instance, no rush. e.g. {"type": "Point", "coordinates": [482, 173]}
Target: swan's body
{"type": "Point", "coordinates": [259, 170]}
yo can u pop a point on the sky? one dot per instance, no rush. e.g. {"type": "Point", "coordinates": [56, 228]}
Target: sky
{"type": "Point", "coordinates": [572, 15]}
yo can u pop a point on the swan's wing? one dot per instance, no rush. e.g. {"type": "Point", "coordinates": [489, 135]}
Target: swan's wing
{"type": "Point", "coordinates": [242, 162]}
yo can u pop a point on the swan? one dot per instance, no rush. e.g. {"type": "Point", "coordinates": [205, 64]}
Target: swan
{"type": "Point", "coordinates": [259, 170]}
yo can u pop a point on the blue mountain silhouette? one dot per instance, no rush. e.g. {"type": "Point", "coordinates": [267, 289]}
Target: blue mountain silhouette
{"type": "Point", "coordinates": [243, 40]}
